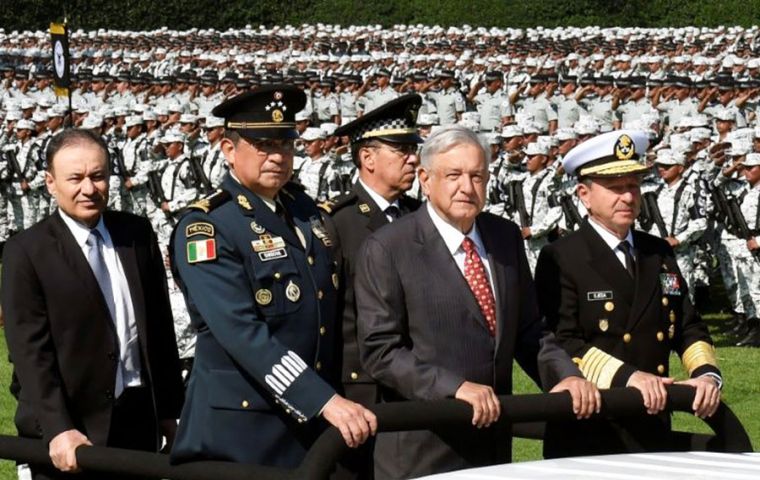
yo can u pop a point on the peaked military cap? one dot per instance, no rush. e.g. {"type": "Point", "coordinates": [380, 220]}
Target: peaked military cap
{"type": "Point", "coordinates": [395, 121]}
{"type": "Point", "coordinates": [611, 154]}
{"type": "Point", "coordinates": [266, 112]}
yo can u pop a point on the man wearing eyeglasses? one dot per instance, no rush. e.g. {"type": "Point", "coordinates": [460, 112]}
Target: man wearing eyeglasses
{"type": "Point", "coordinates": [384, 145]}
{"type": "Point", "coordinates": [261, 289]}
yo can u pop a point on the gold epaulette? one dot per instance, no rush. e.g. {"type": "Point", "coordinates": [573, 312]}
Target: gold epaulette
{"type": "Point", "coordinates": [326, 206]}
{"type": "Point", "coordinates": [211, 202]}
{"type": "Point", "coordinates": [599, 367]}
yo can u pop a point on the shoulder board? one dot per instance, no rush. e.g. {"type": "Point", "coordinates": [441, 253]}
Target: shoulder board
{"type": "Point", "coordinates": [337, 203]}
{"type": "Point", "coordinates": [211, 202]}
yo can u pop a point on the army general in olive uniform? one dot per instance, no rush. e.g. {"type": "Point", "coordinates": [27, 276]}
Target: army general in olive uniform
{"type": "Point", "coordinates": [619, 304]}
{"type": "Point", "coordinates": [261, 289]}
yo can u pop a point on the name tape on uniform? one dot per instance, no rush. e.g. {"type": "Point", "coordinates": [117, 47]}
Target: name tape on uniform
{"type": "Point", "coordinates": [599, 296]}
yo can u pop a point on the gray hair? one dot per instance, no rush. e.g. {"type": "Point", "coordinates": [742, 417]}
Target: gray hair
{"type": "Point", "coordinates": [445, 138]}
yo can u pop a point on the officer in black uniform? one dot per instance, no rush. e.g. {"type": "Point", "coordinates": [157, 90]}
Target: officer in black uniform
{"type": "Point", "coordinates": [384, 146]}
{"type": "Point", "coordinates": [254, 264]}
{"type": "Point", "coordinates": [619, 305]}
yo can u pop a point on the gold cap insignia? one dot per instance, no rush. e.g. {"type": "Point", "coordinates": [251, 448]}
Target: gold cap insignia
{"type": "Point", "coordinates": [625, 148]}
{"type": "Point", "coordinates": [277, 116]}
{"type": "Point", "coordinates": [604, 324]}
{"type": "Point", "coordinates": [293, 292]}
{"type": "Point", "coordinates": [243, 202]}
{"type": "Point", "coordinates": [263, 296]}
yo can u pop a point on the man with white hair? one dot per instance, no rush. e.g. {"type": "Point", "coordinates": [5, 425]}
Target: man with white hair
{"type": "Point", "coordinates": [458, 336]}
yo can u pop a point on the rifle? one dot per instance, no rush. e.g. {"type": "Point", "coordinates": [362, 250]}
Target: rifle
{"type": "Point", "coordinates": [520, 203]}
{"type": "Point", "coordinates": [741, 228]}
{"type": "Point", "coordinates": [201, 180]}
{"type": "Point", "coordinates": [722, 212]}
{"type": "Point", "coordinates": [650, 198]}
{"type": "Point", "coordinates": [570, 211]}
{"type": "Point", "coordinates": [155, 190]}
{"type": "Point", "coordinates": [14, 169]}
{"type": "Point", "coordinates": [121, 168]}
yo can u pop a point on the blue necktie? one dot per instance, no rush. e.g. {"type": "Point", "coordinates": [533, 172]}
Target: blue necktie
{"type": "Point", "coordinates": [98, 265]}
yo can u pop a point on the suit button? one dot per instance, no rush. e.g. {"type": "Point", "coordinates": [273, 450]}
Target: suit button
{"type": "Point", "coordinates": [322, 330]}
{"type": "Point", "coordinates": [244, 404]}
{"type": "Point", "coordinates": [277, 275]}
{"type": "Point", "coordinates": [354, 376]}
{"type": "Point", "coordinates": [665, 301]}
{"type": "Point", "coordinates": [318, 366]}
{"type": "Point", "coordinates": [627, 338]}
{"type": "Point", "coordinates": [310, 259]}
{"type": "Point", "coordinates": [660, 369]}
{"type": "Point", "coordinates": [660, 336]}
{"type": "Point", "coordinates": [320, 294]}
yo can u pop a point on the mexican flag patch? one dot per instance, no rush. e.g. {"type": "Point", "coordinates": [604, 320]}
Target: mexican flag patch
{"type": "Point", "coordinates": [201, 251]}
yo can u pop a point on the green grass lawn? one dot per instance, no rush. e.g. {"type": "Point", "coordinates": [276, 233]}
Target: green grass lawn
{"type": "Point", "coordinates": [740, 391]}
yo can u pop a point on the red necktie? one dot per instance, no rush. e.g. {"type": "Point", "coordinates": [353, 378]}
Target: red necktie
{"type": "Point", "coordinates": [477, 279]}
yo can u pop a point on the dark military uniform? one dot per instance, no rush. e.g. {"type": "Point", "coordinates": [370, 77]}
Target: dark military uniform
{"type": "Point", "coordinates": [353, 217]}
{"type": "Point", "coordinates": [616, 319]}
{"type": "Point", "coordinates": [264, 307]}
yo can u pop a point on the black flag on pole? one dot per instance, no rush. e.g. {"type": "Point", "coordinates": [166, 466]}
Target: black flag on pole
{"type": "Point", "coordinates": [59, 36]}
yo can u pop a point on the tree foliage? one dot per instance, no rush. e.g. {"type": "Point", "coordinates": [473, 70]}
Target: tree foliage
{"type": "Point", "coordinates": [184, 14]}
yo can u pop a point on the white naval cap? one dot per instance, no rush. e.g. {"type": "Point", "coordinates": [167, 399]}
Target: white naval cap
{"type": "Point", "coordinates": [611, 154]}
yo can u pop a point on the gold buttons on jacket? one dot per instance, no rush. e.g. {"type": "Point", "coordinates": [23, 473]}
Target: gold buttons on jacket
{"type": "Point", "coordinates": [660, 369]}
{"type": "Point", "coordinates": [244, 404]}
{"type": "Point", "coordinates": [335, 280]}
{"type": "Point", "coordinates": [354, 376]}
{"type": "Point", "coordinates": [672, 316]}
{"type": "Point", "coordinates": [609, 306]}
{"type": "Point", "coordinates": [322, 330]}
{"type": "Point", "coordinates": [277, 275]}
{"type": "Point", "coordinates": [665, 301]}
{"type": "Point", "coordinates": [318, 366]}
{"type": "Point", "coordinates": [660, 336]}
{"type": "Point", "coordinates": [320, 294]}
{"type": "Point", "coordinates": [310, 259]}
{"type": "Point", "coordinates": [627, 338]}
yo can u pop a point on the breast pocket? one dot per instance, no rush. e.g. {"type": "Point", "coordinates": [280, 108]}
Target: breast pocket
{"type": "Point", "coordinates": [278, 285]}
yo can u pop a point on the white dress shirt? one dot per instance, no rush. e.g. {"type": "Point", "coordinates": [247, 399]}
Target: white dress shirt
{"type": "Point", "coordinates": [453, 239]}
{"type": "Point", "coordinates": [121, 309]}
{"type": "Point", "coordinates": [613, 241]}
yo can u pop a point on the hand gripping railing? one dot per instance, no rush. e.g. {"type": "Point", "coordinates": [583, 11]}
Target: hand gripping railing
{"type": "Point", "coordinates": [730, 436]}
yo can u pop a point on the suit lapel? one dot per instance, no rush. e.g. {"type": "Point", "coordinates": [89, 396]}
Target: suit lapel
{"type": "Point", "coordinates": [647, 278]}
{"type": "Point", "coordinates": [124, 245]}
{"type": "Point", "coordinates": [440, 260]}
{"type": "Point", "coordinates": [604, 262]}
{"type": "Point", "coordinates": [72, 254]}
{"type": "Point", "coordinates": [502, 295]}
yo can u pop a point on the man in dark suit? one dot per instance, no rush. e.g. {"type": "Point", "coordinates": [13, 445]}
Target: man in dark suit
{"type": "Point", "coordinates": [386, 158]}
{"type": "Point", "coordinates": [445, 302]}
{"type": "Point", "coordinates": [618, 303]}
{"type": "Point", "coordinates": [254, 264]}
{"type": "Point", "coordinates": [88, 321]}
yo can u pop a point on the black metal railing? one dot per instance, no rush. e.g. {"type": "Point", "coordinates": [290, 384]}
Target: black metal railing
{"type": "Point", "coordinates": [730, 436]}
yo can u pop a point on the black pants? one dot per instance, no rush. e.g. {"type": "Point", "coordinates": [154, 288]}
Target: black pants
{"type": "Point", "coordinates": [133, 427]}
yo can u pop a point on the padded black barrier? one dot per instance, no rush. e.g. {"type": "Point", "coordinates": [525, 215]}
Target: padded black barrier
{"type": "Point", "coordinates": [730, 436]}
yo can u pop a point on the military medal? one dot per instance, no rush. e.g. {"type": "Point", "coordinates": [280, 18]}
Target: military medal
{"type": "Point", "coordinates": [319, 231]}
{"type": "Point", "coordinates": [670, 283]}
{"type": "Point", "coordinates": [293, 292]}
{"type": "Point", "coordinates": [604, 324]}
{"type": "Point", "coordinates": [257, 228]}
{"type": "Point", "coordinates": [263, 297]}
{"type": "Point", "coordinates": [267, 242]}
